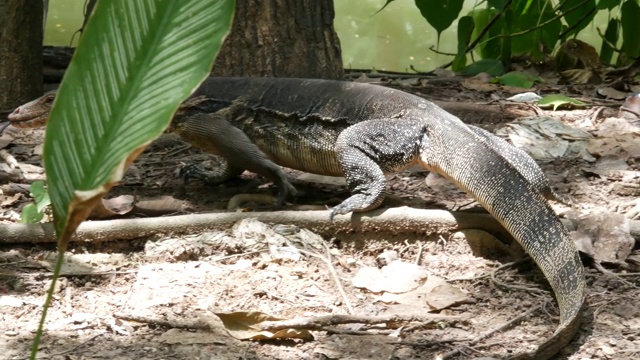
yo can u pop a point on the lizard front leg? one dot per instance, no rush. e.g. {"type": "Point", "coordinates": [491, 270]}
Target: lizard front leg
{"type": "Point", "coordinates": [214, 134]}
{"type": "Point", "coordinates": [370, 149]}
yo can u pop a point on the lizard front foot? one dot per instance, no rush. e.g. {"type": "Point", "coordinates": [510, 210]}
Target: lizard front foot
{"type": "Point", "coordinates": [196, 171]}
{"type": "Point", "coordinates": [357, 203]}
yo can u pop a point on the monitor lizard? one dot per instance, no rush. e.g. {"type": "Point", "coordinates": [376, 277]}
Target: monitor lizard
{"type": "Point", "coordinates": [364, 131]}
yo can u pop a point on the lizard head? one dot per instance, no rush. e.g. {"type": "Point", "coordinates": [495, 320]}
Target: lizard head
{"type": "Point", "coordinates": [34, 113]}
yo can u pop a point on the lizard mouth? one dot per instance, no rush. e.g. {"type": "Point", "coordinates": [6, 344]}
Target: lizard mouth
{"type": "Point", "coordinates": [28, 122]}
{"type": "Point", "coordinates": [4, 126]}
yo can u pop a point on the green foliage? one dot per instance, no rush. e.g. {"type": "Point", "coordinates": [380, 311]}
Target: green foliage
{"type": "Point", "coordinates": [34, 213]}
{"type": "Point", "coordinates": [535, 25]}
{"type": "Point", "coordinates": [611, 37]}
{"type": "Point", "coordinates": [490, 45]}
{"type": "Point", "coordinates": [581, 15]}
{"type": "Point", "coordinates": [465, 29]}
{"type": "Point", "coordinates": [607, 4]}
{"type": "Point", "coordinates": [489, 66]}
{"type": "Point", "coordinates": [517, 79]}
{"type": "Point", "coordinates": [533, 28]}
{"type": "Point", "coordinates": [30, 214]}
{"type": "Point", "coordinates": [557, 100]}
{"type": "Point", "coordinates": [497, 4]}
{"type": "Point", "coordinates": [630, 22]}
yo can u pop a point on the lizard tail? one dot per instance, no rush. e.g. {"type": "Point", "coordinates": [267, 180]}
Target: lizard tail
{"type": "Point", "coordinates": [498, 186]}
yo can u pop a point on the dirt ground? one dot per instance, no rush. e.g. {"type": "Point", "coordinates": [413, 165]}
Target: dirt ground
{"type": "Point", "coordinates": [163, 297]}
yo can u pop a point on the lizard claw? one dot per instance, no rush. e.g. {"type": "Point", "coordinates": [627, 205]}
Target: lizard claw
{"type": "Point", "coordinates": [337, 210]}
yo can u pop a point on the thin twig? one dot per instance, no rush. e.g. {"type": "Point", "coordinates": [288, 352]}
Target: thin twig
{"type": "Point", "coordinates": [604, 271]}
{"type": "Point", "coordinates": [71, 349]}
{"type": "Point", "coordinates": [495, 330]}
{"type": "Point", "coordinates": [419, 255]}
{"type": "Point", "coordinates": [334, 273]}
{"type": "Point", "coordinates": [506, 286]}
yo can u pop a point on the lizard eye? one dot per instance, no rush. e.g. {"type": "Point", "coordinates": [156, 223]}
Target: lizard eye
{"type": "Point", "coordinates": [49, 100]}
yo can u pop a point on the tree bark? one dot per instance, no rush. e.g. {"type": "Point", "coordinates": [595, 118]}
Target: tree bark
{"type": "Point", "coordinates": [283, 38]}
{"type": "Point", "coordinates": [20, 51]}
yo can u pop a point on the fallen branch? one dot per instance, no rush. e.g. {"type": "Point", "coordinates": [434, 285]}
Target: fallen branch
{"type": "Point", "coordinates": [321, 322]}
{"type": "Point", "coordinates": [393, 220]}
{"type": "Point", "coordinates": [398, 220]}
{"type": "Point", "coordinates": [306, 323]}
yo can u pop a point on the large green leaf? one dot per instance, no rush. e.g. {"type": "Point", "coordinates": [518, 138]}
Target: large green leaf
{"type": "Point", "coordinates": [496, 4]}
{"type": "Point", "coordinates": [440, 14]}
{"type": "Point", "coordinates": [530, 15]}
{"type": "Point", "coordinates": [579, 18]}
{"type": "Point", "coordinates": [629, 20]}
{"type": "Point", "coordinates": [136, 62]}
{"type": "Point", "coordinates": [465, 29]}
{"type": "Point", "coordinates": [491, 46]}
{"type": "Point", "coordinates": [611, 37]}
{"type": "Point", "coordinates": [608, 4]}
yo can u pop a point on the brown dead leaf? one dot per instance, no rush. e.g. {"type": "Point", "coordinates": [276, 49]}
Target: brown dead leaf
{"type": "Point", "coordinates": [611, 93]}
{"type": "Point", "coordinates": [161, 206]}
{"type": "Point", "coordinates": [479, 82]}
{"type": "Point", "coordinates": [10, 200]}
{"type": "Point", "coordinates": [413, 298]}
{"type": "Point", "coordinates": [604, 236]}
{"type": "Point", "coordinates": [434, 294]}
{"type": "Point", "coordinates": [5, 140]}
{"type": "Point", "coordinates": [397, 277]}
{"type": "Point", "coordinates": [630, 110]}
{"type": "Point", "coordinates": [444, 296]}
{"type": "Point", "coordinates": [581, 76]}
{"type": "Point", "coordinates": [612, 127]}
{"type": "Point", "coordinates": [606, 146]}
{"type": "Point", "coordinates": [245, 325]}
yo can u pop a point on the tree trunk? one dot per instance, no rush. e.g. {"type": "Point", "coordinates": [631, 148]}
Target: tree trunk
{"type": "Point", "coordinates": [283, 38]}
{"type": "Point", "coordinates": [20, 51]}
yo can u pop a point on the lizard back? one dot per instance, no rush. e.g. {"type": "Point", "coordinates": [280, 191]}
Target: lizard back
{"type": "Point", "coordinates": [298, 123]}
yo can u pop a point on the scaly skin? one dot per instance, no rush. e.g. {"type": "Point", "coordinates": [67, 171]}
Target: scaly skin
{"type": "Point", "coordinates": [363, 132]}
